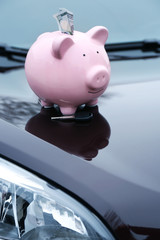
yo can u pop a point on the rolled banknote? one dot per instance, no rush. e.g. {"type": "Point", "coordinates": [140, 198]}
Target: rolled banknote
{"type": "Point", "coordinates": [65, 21]}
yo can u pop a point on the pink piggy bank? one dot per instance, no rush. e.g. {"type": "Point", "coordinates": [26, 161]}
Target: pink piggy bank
{"type": "Point", "coordinates": [69, 70]}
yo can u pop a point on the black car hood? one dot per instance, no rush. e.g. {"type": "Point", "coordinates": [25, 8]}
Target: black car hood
{"type": "Point", "coordinates": [112, 162]}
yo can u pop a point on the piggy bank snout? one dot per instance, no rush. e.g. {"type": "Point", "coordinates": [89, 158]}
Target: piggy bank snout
{"type": "Point", "coordinates": [97, 77]}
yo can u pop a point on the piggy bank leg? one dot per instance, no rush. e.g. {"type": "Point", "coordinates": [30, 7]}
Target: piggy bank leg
{"type": "Point", "coordinates": [92, 103]}
{"type": "Point", "coordinates": [68, 110]}
{"type": "Point", "coordinates": [46, 104]}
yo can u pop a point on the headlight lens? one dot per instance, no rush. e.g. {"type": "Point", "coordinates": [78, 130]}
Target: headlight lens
{"type": "Point", "coordinates": [30, 208]}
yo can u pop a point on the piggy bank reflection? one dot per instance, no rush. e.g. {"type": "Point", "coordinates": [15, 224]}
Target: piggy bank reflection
{"type": "Point", "coordinates": [69, 70]}
{"type": "Point", "coordinates": [81, 139]}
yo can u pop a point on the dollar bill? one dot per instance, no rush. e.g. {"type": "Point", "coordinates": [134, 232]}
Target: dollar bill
{"type": "Point", "coordinates": [65, 21]}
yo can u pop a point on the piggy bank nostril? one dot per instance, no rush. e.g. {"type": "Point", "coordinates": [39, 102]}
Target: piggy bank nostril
{"type": "Point", "coordinates": [100, 78]}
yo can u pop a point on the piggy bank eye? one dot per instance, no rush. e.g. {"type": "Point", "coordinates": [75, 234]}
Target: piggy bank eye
{"type": "Point", "coordinates": [97, 52]}
{"type": "Point", "coordinates": [84, 55]}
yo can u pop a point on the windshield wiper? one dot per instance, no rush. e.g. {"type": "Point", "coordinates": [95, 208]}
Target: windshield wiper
{"type": "Point", "coordinates": [13, 52]}
{"type": "Point", "coordinates": [116, 51]}
{"type": "Point", "coordinates": [11, 57]}
{"type": "Point", "coordinates": [133, 50]}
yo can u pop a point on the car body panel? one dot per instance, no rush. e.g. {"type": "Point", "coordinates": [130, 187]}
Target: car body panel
{"type": "Point", "coordinates": [121, 181]}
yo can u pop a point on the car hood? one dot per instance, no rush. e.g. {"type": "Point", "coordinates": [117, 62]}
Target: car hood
{"type": "Point", "coordinates": [132, 156]}
{"type": "Point", "coordinates": [112, 161]}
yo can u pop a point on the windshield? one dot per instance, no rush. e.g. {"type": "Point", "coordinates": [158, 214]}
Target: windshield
{"type": "Point", "coordinates": [22, 21]}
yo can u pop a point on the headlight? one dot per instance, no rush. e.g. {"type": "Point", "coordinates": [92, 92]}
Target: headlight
{"type": "Point", "coordinates": [32, 209]}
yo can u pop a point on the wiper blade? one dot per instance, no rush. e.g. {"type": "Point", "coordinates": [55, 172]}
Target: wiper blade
{"type": "Point", "coordinates": [146, 45]}
{"type": "Point", "coordinates": [5, 69]}
{"type": "Point", "coordinates": [116, 51]}
{"type": "Point", "coordinates": [13, 53]}
{"type": "Point", "coordinates": [133, 50]}
{"type": "Point", "coordinates": [11, 57]}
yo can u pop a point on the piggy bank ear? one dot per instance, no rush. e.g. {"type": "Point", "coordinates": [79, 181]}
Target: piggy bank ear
{"type": "Point", "coordinates": [98, 33]}
{"type": "Point", "coordinates": [60, 45]}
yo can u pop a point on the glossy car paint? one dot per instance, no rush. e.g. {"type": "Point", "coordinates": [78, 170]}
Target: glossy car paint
{"type": "Point", "coordinates": [121, 183]}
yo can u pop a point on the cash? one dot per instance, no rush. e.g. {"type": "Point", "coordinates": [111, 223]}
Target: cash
{"type": "Point", "coordinates": [65, 21]}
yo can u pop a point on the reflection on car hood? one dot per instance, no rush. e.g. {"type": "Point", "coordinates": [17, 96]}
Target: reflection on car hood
{"type": "Point", "coordinates": [127, 153]}
{"type": "Point", "coordinates": [16, 111]}
{"type": "Point", "coordinates": [81, 138]}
